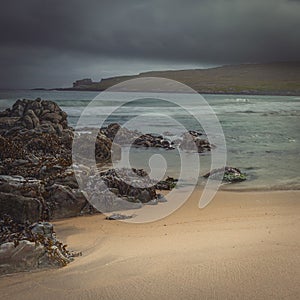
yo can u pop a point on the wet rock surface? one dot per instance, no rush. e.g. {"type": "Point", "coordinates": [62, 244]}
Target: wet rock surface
{"type": "Point", "coordinates": [124, 136]}
{"type": "Point", "coordinates": [189, 141]}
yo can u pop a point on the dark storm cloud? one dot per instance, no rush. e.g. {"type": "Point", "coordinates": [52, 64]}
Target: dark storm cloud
{"type": "Point", "coordinates": [41, 40]}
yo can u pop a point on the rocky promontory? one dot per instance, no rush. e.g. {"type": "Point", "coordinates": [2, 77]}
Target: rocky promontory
{"type": "Point", "coordinates": [37, 182]}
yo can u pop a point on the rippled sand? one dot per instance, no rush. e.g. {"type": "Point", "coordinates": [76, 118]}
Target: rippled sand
{"type": "Point", "coordinates": [242, 246]}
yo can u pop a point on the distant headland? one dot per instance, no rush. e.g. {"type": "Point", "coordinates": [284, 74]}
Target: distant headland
{"type": "Point", "coordinates": [277, 78]}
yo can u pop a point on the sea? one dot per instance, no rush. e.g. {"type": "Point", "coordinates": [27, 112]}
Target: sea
{"type": "Point", "coordinates": [262, 133]}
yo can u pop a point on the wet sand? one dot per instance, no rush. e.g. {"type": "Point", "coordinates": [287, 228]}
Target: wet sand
{"type": "Point", "coordinates": [244, 245]}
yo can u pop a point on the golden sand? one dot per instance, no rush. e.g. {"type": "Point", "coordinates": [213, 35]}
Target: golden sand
{"type": "Point", "coordinates": [244, 245]}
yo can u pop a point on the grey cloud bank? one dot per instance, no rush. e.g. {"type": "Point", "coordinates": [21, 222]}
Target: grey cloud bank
{"type": "Point", "coordinates": [52, 43]}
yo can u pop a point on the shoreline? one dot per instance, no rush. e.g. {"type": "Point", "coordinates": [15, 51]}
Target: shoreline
{"type": "Point", "coordinates": [242, 245]}
{"type": "Point", "coordinates": [268, 93]}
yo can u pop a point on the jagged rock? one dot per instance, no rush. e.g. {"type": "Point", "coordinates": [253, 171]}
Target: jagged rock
{"type": "Point", "coordinates": [66, 178]}
{"type": "Point", "coordinates": [230, 175]}
{"type": "Point", "coordinates": [36, 142]}
{"type": "Point", "coordinates": [7, 122]}
{"type": "Point", "coordinates": [168, 184]}
{"type": "Point", "coordinates": [102, 150]}
{"type": "Point", "coordinates": [43, 228]}
{"type": "Point", "coordinates": [130, 182]}
{"type": "Point", "coordinates": [64, 202]}
{"type": "Point", "coordinates": [120, 189]}
{"type": "Point", "coordinates": [21, 186]}
{"type": "Point", "coordinates": [192, 142]}
{"type": "Point", "coordinates": [20, 208]}
{"type": "Point", "coordinates": [22, 199]}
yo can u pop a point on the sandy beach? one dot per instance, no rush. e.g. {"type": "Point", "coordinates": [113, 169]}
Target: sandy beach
{"type": "Point", "coordinates": [244, 245]}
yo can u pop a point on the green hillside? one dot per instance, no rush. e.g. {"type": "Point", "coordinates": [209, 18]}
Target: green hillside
{"type": "Point", "coordinates": [281, 78]}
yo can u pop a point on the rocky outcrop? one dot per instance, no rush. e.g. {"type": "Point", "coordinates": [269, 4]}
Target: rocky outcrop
{"type": "Point", "coordinates": [42, 115]}
{"type": "Point", "coordinates": [38, 184]}
{"type": "Point", "coordinates": [36, 178]}
{"type": "Point", "coordinates": [37, 138]}
{"type": "Point", "coordinates": [227, 175]}
{"type": "Point", "coordinates": [36, 134]}
{"type": "Point", "coordinates": [36, 145]}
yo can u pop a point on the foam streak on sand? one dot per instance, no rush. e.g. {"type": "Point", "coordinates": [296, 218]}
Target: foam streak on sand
{"type": "Point", "coordinates": [242, 246]}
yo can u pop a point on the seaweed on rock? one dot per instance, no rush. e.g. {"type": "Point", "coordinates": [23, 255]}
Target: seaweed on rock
{"type": "Point", "coordinates": [54, 252]}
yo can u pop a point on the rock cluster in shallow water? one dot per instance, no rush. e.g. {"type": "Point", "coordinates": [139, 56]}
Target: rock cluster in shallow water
{"type": "Point", "coordinates": [123, 136]}
{"type": "Point", "coordinates": [191, 141]}
{"type": "Point", "coordinates": [227, 175]}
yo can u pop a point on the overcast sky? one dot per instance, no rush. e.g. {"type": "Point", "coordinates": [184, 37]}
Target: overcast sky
{"type": "Point", "coordinates": [50, 43]}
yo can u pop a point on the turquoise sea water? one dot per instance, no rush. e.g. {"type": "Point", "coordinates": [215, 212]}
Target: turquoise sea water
{"type": "Point", "coordinates": [262, 132]}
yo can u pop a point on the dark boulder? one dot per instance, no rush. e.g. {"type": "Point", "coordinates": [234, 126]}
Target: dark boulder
{"type": "Point", "coordinates": [64, 202]}
{"type": "Point", "coordinates": [168, 184]}
{"type": "Point", "coordinates": [192, 142]}
{"type": "Point", "coordinates": [21, 208]}
{"type": "Point", "coordinates": [230, 175]}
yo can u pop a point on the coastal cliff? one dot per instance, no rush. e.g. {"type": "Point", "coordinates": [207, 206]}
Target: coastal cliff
{"type": "Point", "coordinates": [279, 78]}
